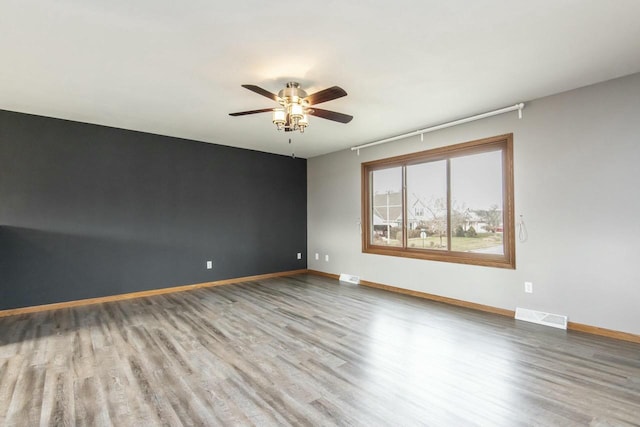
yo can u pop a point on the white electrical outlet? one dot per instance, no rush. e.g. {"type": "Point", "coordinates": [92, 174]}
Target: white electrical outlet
{"type": "Point", "coordinates": [317, 256]}
{"type": "Point", "coordinates": [209, 265]}
{"type": "Point", "coordinates": [299, 255]}
{"type": "Point", "coordinates": [326, 258]}
{"type": "Point", "coordinates": [528, 287]}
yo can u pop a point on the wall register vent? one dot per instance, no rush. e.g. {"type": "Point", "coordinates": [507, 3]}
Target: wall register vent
{"type": "Point", "coordinates": [348, 278]}
{"type": "Point", "coordinates": [548, 319]}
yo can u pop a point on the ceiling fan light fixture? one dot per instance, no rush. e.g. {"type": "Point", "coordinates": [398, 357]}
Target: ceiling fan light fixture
{"type": "Point", "coordinates": [279, 118]}
{"type": "Point", "coordinates": [303, 122]}
{"type": "Point", "coordinates": [295, 111]}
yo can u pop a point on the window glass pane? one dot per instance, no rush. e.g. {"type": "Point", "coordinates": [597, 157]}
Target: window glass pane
{"type": "Point", "coordinates": [451, 204]}
{"type": "Point", "coordinates": [427, 205]}
{"type": "Point", "coordinates": [476, 203]}
{"type": "Point", "coordinates": [386, 203]}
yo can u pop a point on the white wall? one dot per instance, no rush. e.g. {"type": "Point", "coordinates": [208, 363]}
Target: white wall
{"type": "Point", "coordinates": [577, 183]}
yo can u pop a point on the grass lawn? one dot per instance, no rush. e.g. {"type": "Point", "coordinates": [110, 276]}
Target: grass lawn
{"type": "Point", "coordinates": [462, 244]}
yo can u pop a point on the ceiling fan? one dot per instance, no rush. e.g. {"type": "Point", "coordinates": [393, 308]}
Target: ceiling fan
{"type": "Point", "coordinates": [296, 106]}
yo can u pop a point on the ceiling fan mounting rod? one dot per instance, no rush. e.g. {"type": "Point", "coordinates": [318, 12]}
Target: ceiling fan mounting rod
{"type": "Point", "coordinates": [292, 94]}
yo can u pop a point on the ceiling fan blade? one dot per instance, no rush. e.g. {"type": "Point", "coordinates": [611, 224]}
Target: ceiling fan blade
{"type": "Point", "coordinates": [262, 92]}
{"type": "Point", "coordinates": [330, 115]}
{"type": "Point", "coordinates": [244, 113]}
{"type": "Point", "coordinates": [326, 95]}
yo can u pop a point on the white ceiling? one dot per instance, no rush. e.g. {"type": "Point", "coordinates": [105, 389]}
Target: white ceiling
{"type": "Point", "coordinates": [175, 68]}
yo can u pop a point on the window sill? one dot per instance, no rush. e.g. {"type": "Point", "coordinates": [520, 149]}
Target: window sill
{"type": "Point", "coordinates": [469, 258]}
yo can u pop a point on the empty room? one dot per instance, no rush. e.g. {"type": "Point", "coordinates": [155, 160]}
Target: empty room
{"type": "Point", "coordinates": [340, 213]}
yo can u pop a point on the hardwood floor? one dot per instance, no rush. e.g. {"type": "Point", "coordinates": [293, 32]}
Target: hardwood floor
{"type": "Point", "coordinates": [304, 350]}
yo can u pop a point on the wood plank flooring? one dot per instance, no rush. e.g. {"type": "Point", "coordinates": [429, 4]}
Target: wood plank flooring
{"type": "Point", "coordinates": [304, 350]}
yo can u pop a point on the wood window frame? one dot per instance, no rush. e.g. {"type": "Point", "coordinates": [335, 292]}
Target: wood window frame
{"type": "Point", "coordinates": [501, 142]}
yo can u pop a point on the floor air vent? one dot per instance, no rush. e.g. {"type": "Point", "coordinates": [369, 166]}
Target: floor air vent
{"type": "Point", "coordinates": [542, 318]}
{"type": "Point", "coordinates": [347, 278]}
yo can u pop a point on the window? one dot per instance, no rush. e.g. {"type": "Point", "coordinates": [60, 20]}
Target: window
{"type": "Point", "coordinates": [451, 204]}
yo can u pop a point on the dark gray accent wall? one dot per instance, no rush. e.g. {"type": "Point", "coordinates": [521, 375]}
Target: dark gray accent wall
{"type": "Point", "coordinates": [89, 211]}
